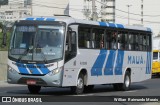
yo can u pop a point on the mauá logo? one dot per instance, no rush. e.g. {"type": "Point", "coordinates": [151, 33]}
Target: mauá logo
{"type": "Point", "coordinates": [135, 60]}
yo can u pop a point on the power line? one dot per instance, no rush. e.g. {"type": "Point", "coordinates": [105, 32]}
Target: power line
{"type": "Point", "coordinates": [79, 9]}
{"type": "Point", "coordinates": [138, 14]}
{"type": "Point", "coordinates": [122, 17]}
{"type": "Point", "coordinates": [42, 5]}
{"type": "Point", "coordinates": [55, 3]}
{"type": "Point", "coordinates": [73, 9]}
{"type": "Point", "coordinates": [16, 1]}
{"type": "Point", "coordinates": [131, 12]}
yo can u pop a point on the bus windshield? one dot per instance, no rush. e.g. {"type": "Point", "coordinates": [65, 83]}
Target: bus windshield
{"type": "Point", "coordinates": [155, 55]}
{"type": "Point", "coordinates": [37, 43]}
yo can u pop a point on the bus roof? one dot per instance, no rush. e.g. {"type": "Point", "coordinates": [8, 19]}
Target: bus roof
{"type": "Point", "coordinates": [70, 20]}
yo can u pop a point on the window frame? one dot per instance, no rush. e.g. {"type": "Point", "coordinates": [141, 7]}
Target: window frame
{"type": "Point", "coordinates": [126, 32]}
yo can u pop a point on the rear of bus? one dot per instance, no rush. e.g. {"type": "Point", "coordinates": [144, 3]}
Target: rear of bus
{"type": "Point", "coordinates": [156, 62]}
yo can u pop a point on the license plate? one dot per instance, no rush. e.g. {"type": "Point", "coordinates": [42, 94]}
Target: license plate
{"type": "Point", "coordinates": [31, 82]}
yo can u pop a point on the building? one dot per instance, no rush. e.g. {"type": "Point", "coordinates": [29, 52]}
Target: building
{"type": "Point", "coordinates": [108, 10]}
{"type": "Point", "coordinates": [14, 10]}
{"type": "Point", "coordinates": [141, 12]}
{"type": "Point", "coordinates": [81, 9]}
{"type": "Point", "coordinates": [49, 7]}
{"type": "Point", "coordinates": [131, 12]}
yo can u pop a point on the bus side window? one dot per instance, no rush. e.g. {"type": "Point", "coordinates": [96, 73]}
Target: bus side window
{"type": "Point", "coordinates": [140, 42]}
{"type": "Point", "coordinates": [131, 45]}
{"type": "Point", "coordinates": [111, 39]}
{"type": "Point", "coordinates": [114, 40]}
{"type": "Point", "coordinates": [108, 39]}
{"type": "Point", "coordinates": [84, 37]}
{"type": "Point", "coordinates": [136, 41]}
{"type": "Point", "coordinates": [121, 40]}
{"type": "Point", "coordinates": [147, 42]}
{"type": "Point", "coordinates": [98, 38]}
{"type": "Point", "coordinates": [144, 43]}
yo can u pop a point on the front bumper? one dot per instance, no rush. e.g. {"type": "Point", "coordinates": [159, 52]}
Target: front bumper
{"type": "Point", "coordinates": [155, 70]}
{"type": "Point", "coordinates": [46, 80]}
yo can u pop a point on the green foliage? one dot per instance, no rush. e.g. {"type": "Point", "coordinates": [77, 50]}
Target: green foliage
{"type": "Point", "coordinates": [4, 48]}
{"type": "Point", "coordinates": [1, 25]}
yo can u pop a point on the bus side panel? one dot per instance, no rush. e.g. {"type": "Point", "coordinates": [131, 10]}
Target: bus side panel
{"type": "Point", "coordinates": [107, 66]}
{"type": "Point", "coordinates": [83, 60]}
{"type": "Point", "coordinates": [140, 65]}
{"type": "Point", "coordinates": [94, 61]}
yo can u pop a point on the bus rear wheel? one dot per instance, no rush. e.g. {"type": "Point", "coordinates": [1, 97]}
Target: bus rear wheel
{"type": "Point", "coordinates": [34, 89]}
{"type": "Point", "coordinates": [125, 85]}
{"type": "Point", "coordinates": [80, 85]}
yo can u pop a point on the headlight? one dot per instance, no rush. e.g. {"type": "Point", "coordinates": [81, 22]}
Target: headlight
{"type": "Point", "coordinates": [10, 69]}
{"type": "Point", "coordinates": [55, 71]}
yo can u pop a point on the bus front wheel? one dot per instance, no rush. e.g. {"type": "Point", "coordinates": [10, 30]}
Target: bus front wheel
{"type": "Point", "coordinates": [34, 89]}
{"type": "Point", "coordinates": [80, 85]}
{"type": "Point", "coordinates": [125, 85]}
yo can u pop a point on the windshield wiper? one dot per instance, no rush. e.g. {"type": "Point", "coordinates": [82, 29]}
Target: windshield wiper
{"type": "Point", "coordinates": [45, 59]}
{"type": "Point", "coordinates": [24, 54]}
{"type": "Point", "coordinates": [42, 53]}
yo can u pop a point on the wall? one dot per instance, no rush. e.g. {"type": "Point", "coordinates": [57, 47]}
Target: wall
{"type": "Point", "coordinates": [3, 65]}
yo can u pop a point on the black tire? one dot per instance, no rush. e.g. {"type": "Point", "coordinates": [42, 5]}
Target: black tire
{"type": "Point", "coordinates": [125, 85]}
{"type": "Point", "coordinates": [88, 88]}
{"type": "Point", "coordinates": [34, 89]}
{"type": "Point", "coordinates": [80, 85]}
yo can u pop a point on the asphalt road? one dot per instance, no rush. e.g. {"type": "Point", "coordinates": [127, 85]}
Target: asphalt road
{"type": "Point", "coordinates": [146, 88]}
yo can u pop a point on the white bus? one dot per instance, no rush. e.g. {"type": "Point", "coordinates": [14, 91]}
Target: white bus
{"type": "Point", "coordinates": [61, 51]}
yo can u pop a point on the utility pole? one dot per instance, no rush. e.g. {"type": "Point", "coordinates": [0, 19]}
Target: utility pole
{"type": "Point", "coordinates": [94, 13]}
{"type": "Point", "coordinates": [142, 12]}
{"type": "Point", "coordinates": [128, 13]}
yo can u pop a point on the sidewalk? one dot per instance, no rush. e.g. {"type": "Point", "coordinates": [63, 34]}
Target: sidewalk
{"type": "Point", "coordinates": [5, 84]}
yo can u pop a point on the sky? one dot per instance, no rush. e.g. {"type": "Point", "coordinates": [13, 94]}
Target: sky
{"type": "Point", "coordinates": [151, 13]}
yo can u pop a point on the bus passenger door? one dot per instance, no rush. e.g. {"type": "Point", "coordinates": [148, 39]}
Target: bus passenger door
{"type": "Point", "coordinates": [71, 46]}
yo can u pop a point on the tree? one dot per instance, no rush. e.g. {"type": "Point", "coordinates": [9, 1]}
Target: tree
{"type": "Point", "coordinates": [1, 26]}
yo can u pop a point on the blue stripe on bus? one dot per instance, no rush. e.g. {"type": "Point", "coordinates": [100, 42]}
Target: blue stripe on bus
{"type": "Point", "coordinates": [103, 24]}
{"type": "Point", "coordinates": [40, 19]}
{"type": "Point", "coordinates": [120, 26]}
{"type": "Point", "coordinates": [119, 63]}
{"type": "Point", "coordinates": [112, 25]}
{"type": "Point", "coordinates": [148, 64]}
{"type": "Point", "coordinates": [96, 70]}
{"type": "Point", "coordinates": [110, 63]}
{"type": "Point", "coordinates": [33, 68]}
{"type": "Point", "coordinates": [50, 19]}
{"type": "Point", "coordinates": [22, 68]}
{"type": "Point", "coordinates": [29, 18]}
{"type": "Point", "coordinates": [43, 68]}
